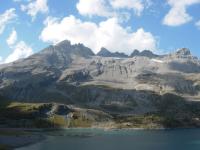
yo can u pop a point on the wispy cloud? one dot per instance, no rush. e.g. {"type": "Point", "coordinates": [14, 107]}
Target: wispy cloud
{"type": "Point", "coordinates": [34, 7]}
{"type": "Point", "coordinates": [198, 24]}
{"type": "Point", "coordinates": [20, 50]}
{"type": "Point", "coordinates": [11, 40]}
{"type": "Point", "coordinates": [137, 6]}
{"type": "Point", "coordinates": [111, 8]}
{"type": "Point", "coordinates": [6, 17]}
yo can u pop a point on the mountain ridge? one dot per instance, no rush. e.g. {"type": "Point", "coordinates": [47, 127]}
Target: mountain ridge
{"type": "Point", "coordinates": [78, 63]}
{"type": "Point", "coordinates": [74, 75]}
{"type": "Point", "coordinates": [106, 53]}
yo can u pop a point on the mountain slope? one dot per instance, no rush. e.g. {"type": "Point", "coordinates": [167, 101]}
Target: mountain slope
{"type": "Point", "coordinates": [73, 75]}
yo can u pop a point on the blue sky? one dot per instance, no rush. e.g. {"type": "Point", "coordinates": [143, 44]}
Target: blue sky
{"type": "Point", "coordinates": [27, 26]}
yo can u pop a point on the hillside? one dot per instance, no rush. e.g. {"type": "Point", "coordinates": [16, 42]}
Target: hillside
{"type": "Point", "coordinates": [143, 88]}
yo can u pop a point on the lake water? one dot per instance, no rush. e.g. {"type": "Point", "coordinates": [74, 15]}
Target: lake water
{"type": "Point", "coordinates": [94, 139]}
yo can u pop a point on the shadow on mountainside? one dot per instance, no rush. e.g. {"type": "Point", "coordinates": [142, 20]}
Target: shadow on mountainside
{"type": "Point", "coordinates": [173, 80]}
{"type": "Point", "coordinates": [188, 67]}
{"type": "Point", "coordinates": [136, 107]}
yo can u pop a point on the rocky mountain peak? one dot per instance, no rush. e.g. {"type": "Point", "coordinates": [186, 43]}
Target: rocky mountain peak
{"type": "Point", "coordinates": [120, 55]}
{"type": "Point", "coordinates": [183, 52]}
{"type": "Point", "coordinates": [106, 53]}
{"type": "Point", "coordinates": [64, 43]}
{"type": "Point", "coordinates": [57, 56]}
{"type": "Point", "coordinates": [145, 53]}
{"type": "Point", "coordinates": [66, 48]}
{"type": "Point", "coordinates": [135, 53]}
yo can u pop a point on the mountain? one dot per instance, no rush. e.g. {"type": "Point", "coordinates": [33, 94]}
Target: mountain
{"type": "Point", "coordinates": [135, 53]}
{"type": "Point", "coordinates": [144, 53]}
{"type": "Point", "coordinates": [106, 53]}
{"type": "Point", "coordinates": [183, 52]}
{"type": "Point", "coordinates": [41, 70]}
{"type": "Point", "coordinates": [163, 91]}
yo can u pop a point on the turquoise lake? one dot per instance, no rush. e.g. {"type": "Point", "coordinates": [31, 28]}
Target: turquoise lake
{"type": "Point", "coordinates": [94, 139]}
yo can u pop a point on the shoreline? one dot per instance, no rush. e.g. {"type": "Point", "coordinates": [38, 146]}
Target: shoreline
{"type": "Point", "coordinates": [99, 128]}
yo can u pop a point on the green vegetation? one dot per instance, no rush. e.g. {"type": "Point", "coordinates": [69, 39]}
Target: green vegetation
{"type": "Point", "coordinates": [177, 112]}
{"type": "Point", "coordinates": [24, 107]}
{"type": "Point", "coordinates": [32, 115]}
{"type": "Point", "coordinates": [171, 112]}
{"type": "Point", "coordinates": [139, 121]}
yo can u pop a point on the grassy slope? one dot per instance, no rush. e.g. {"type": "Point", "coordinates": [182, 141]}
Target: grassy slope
{"type": "Point", "coordinates": [172, 112]}
{"type": "Point", "coordinates": [28, 115]}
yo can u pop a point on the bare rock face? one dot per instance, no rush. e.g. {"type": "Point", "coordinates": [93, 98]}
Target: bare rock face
{"type": "Point", "coordinates": [114, 82]}
{"type": "Point", "coordinates": [183, 52]}
{"type": "Point", "coordinates": [106, 53]}
{"type": "Point", "coordinates": [144, 53]}
{"type": "Point", "coordinates": [135, 53]}
{"type": "Point", "coordinates": [32, 76]}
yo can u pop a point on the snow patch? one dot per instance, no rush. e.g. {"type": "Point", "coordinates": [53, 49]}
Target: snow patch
{"type": "Point", "coordinates": [157, 60]}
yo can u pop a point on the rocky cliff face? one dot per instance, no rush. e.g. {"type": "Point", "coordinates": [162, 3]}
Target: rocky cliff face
{"type": "Point", "coordinates": [144, 53]}
{"type": "Point", "coordinates": [106, 53]}
{"type": "Point", "coordinates": [72, 74]}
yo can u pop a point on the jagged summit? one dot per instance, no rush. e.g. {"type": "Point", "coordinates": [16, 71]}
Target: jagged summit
{"type": "Point", "coordinates": [183, 52]}
{"type": "Point", "coordinates": [62, 43]}
{"type": "Point", "coordinates": [120, 55]}
{"type": "Point", "coordinates": [67, 48]}
{"type": "Point", "coordinates": [76, 49]}
{"type": "Point", "coordinates": [106, 53]}
{"type": "Point", "coordinates": [145, 53]}
{"type": "Point", "coordinates": [135, 53]}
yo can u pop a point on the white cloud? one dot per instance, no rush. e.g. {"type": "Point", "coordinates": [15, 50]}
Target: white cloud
{"type": "Point", "coordinates": [21, 50]}
{"type": "Point", "coordinates": [34, 7]}
{"type": "Point", "coordinates": [1, 60]}
{"type": "Point", "coordinates": [93, 7]}
{"type": "Point", "coordinates": [111, 8]}
{"type": "Point", "coordinates": [109, 34]}
{"type": "Point", "coordinates": [198, 24]}
{"type": "Point", "coordinates": [157, 60]}
{"type": "Point", "coordinates": [136, 5]}
{"type": "Point", "coordinates": [6, 17]}
{"type": "Point", "coordinates": [12, 38]}
{"type": "Point", "coordinates": [178, 14]}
